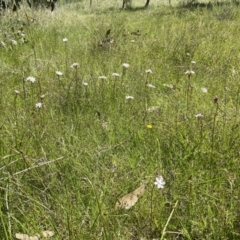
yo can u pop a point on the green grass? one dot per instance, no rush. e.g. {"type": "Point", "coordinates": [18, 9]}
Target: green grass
{"type": "Point", "coordinates": [64, 166]}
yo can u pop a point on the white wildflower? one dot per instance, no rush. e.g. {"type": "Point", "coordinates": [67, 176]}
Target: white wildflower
{"type": "Point", "coordinates": [102, 77]}
{"type": "Point", "coordinates": [74, 65]}
{"type": "Point", "coordinates": [31, 79]}
{"type": "Point", "coordinates": [189, 72]}
{"type": "Point", "coordinates": [204, 90]}
{"type": "Point", "coordinates": [126, 65]}
{"type": "Point", "coordinates": [199, 116]}
{"type": "Point", "coordinates": [116, 75]}
{"type": "Point", "coordinates": [59, 73]}
{"type": "Point", "coordinates": [159, 182]}
{"type": "Point", "coordinates": [129, 97]}
{"type": "Point", "coordinates": [65, 39]}
{"type": "Point", "coordinates": [38, 105]}
{"type": "Point", "coordinates": [84, 83]}
{"type": "Point", "coordinates": [148, 71]}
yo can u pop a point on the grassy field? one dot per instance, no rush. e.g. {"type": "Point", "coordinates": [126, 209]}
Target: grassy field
{"type": "Point", "coordinates": [76, 139]}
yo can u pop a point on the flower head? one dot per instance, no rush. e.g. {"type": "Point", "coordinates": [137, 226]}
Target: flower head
{"type": "Point", "coordinates": [84, 83]}
{"type": "Point", "coordinates": [126, 65]}
{"type": "Point", "coordinates": [31, 79]}
{"type": "Point", "coordinates": [16, 92]}
{"type": "Point", "coordinates": [199, 116]}
{"type": "Point", "coordinates": [149, 126]}
{"type": "Point", "coordinates": [148, 71]}
{"type": "Point", "coordinates": [102, 77]}
{"type": "Point", "coordinates": [159, 182]}
{"type": "Point", "coordinates": [204, 90]}
{"type": "Point", "coordinates": [59, 73]}
{"type": "Point", "coordinates": [129, 97]}
{"type": "Point", "coordinates": [116, 75]}
{"type": "Point", "coordinates": [38, 105]}
{"type": "Point", "coordinates": [74, 65]}
{"type": "Point", "coordinates": [65, 39]}
{"type": "Point", "coordinates": [189, 72]}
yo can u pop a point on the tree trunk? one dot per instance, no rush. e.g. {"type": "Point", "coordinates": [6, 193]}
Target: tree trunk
{"type": "Point", "coordinates": [147, 3]}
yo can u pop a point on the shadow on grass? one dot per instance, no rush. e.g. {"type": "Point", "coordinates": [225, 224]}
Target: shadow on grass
{"type": "Point", "coordinates": [120, 9]}
{"type": "Point", "coordinates": [191, 5]}
{"type": "Point", "coordinates": [135, 9]}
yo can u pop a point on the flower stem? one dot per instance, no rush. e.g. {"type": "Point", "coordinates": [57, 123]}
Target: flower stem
{"type": "Point", "coordinates": [169, 218]}
{"type": "Point", "coordinates": [151, 209]}
{"type": "Point", "coordinates": [213, 135]}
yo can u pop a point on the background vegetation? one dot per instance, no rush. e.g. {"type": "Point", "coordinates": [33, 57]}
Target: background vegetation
{"type": "Point", "coordinates": [66, 161]}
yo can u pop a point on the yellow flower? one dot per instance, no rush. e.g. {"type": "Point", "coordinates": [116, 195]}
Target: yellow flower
{"type": "Point", "coordinates": [149, 126]}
